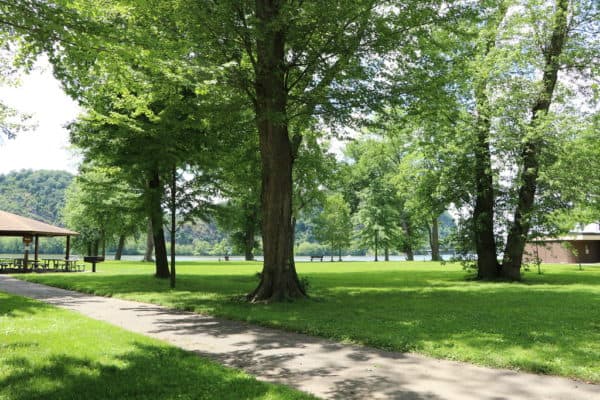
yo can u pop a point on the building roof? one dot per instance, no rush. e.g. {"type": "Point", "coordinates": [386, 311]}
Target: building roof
{"type": "Point", "coordinates": [15, 225]}
{"type": "Point", "coordinates": [580, 236]}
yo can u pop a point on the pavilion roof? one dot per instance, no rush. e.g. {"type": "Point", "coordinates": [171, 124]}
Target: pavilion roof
{"type": "Point", "coordinates": [16, 225]}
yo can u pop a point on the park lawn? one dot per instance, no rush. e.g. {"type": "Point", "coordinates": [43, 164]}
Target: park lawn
{"type": "Point", "coordinates": [48, 353]}
{"type": "Point", "coordinates": [548, 324]}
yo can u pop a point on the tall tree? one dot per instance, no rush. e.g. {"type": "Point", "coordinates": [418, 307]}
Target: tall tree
{"type": "Point", "coordinates": [507, 102]}
{"type": "Point", "coordinates": [101, 207]}
{"type": "Point", "coordinates": [381, 211]}
{"type": "Point", "coordinates": [295, 60]}
{"type": "Point", "coordinates": [533, 143]}
{"type": "Point", "coordinates": [545, 26]}
{"type": "Point", "coordinates": [334, 224]}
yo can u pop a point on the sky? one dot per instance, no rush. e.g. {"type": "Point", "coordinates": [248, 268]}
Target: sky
{"type": "Point", "coordinates": [46, 146]}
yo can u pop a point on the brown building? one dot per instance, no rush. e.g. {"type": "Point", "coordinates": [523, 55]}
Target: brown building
{"type": "Point", "coordinates": [577, 247]}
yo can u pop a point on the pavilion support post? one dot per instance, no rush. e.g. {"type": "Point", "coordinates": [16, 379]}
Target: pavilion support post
{"type": "Point", "coordinates": [36, 247]}
{"type": "Point", "coordinates": [26, 243]}
{"type": "Point", "coordinates": [68, 250]}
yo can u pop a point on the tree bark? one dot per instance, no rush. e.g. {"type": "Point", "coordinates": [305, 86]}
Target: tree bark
{"type": "Point", "coordinates": [434, 240]}
{"type": "Point", "coordinates": [483, 211]}
{"type": "Point", "coordinates": [376, 245]}
{"type": "Point", "coordinates": [149, 243]}
{"type": "Point", "coordinates": [173, 224]}
{"type": "Point", "coordinates": [120, 247]}
{"type": "Point", "coordinates": [532, 146]}
{"type": "Point", "coordinates": [410, 255]}
{"type": "Point", "coordinates": [279, 280]}
{"type": "Point", "coordinates": [158, 234]}
{"type": "Point", "coordinates": [103, 241]}
{"type": "Point", "coordinates": [249, 242]}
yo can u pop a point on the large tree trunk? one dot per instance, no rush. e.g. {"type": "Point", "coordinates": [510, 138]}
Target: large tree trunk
{"type": "Point", "coordinates": [279, 280]}
{"type": "Point", "coordinates": [410, 254]}
{"type": "Point", "coordinates": [149, 243]}
{"type": "Point", "coordinates": [120, 247]}
{"type": "Point", "coordinates": [158, 234]}
{"type": "Point", "coordinates": [434, 240]}
{"type": "Point", "coordinates": [483, 212]}
{"type": "Point", "coordinates": [532, 146]}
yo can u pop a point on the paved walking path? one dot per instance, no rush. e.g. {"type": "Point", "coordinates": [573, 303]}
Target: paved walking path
{"type": "Point", "coordinates": [319, 366]}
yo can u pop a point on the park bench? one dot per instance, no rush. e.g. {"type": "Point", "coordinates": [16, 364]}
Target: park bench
{"type": "Point", "coordinates": [316, 258]}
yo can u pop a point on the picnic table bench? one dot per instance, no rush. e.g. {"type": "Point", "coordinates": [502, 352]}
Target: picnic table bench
{"type": "Point", "coordinates": [316, 258]}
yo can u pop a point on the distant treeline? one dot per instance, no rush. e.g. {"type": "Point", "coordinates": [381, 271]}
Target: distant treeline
{"type": "Point", "coordinates": [35, 194]}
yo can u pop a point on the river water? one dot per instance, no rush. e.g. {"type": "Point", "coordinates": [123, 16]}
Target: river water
{"type": "Point", "coordinates": [234, 258]}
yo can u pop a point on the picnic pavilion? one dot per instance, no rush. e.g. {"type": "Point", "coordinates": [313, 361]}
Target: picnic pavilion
{"type": "Point", "coordinates": [31, 230]}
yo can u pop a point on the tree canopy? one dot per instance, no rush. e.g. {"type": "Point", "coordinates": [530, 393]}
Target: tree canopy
{"type": "Point", "coordinates": [469, 106]}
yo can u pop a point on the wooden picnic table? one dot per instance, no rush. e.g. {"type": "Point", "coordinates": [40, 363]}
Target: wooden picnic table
{"type": "Point", "coordinates": [6, 264]}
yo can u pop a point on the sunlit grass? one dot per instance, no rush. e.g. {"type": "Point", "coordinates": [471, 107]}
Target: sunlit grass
{"type": "Point", "coordinates": [50, 354]}
{"type": "Point", "coordinates": [550, 323]}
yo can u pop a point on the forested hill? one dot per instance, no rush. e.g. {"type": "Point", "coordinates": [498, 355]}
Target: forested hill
{"type": "Point", "coordinates": [35, 194]}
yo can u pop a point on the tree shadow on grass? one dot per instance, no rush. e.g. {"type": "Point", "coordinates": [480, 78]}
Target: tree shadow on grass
{"type": "Point", "coordinates": [147, 372]}
{"type": "Point", "coordinates": [548, 322]}
{"type": "Point", "coordinates": [12, 306]}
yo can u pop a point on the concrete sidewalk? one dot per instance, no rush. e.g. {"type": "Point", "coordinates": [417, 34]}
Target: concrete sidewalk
{"type": "Point", "coordinates": [319, 366]}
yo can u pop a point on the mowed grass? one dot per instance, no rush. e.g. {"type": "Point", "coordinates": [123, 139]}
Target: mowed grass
{"type": "Point", "coordinates": [548, 324]}
{"type": "Point", "coordinates": [48, 353]}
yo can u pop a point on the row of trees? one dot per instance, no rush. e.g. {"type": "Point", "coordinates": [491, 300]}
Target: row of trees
{"type": "Point", "coordinates": [468, 105]}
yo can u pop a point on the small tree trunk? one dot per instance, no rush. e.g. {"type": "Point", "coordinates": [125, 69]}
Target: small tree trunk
{"type": "Point", "coordinates": [103, 244]}
{"type": "Point", "coordinates": [173, 223]}
{"type": "Point", "coordinates": [120, 247]}
{"type": "Point", "coordinates": [149, 243]}
{"type": "Point", "coordinates": [279, 280]}
{"type": "Point", "coordinates": [434, 240]}
{"type": "Point", "coordinates": [518, 232]}
{"type": "Point", "coordinates": [376, 244]}
{"type": "Point", "coordinates": [386, 254]}
{"type": "Point", "coordinates": [410, 256]}
{"type": "Point", "coordinates": [95, 247]}
{"type": "Point", "coordinates": [249, 242]}
{"type": "Point", "coordinates": [156, 215]}
{"type": "Point", "coordinates": [340, 254]}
